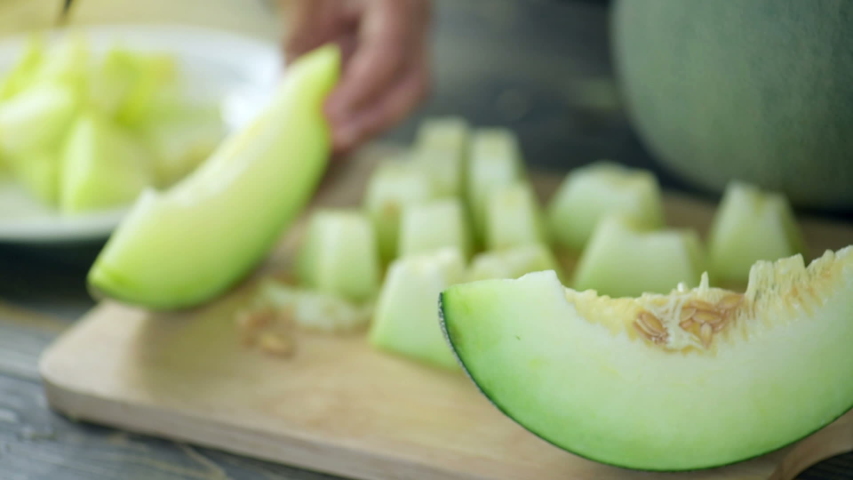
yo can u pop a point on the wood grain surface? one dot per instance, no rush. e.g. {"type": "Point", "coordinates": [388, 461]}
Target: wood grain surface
{"type": "Point", "coordinates": [338, 406]}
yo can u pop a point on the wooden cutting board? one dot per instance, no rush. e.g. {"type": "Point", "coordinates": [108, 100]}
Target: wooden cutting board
{"type": "Point", "coordinates": [338, 406]}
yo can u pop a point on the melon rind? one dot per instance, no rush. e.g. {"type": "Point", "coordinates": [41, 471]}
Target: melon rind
{"type": "Point", "coordinates": [566, 366]}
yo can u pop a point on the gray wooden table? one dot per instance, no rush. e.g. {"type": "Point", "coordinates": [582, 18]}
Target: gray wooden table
{"type": "Point", "coordinates": [527, 64]}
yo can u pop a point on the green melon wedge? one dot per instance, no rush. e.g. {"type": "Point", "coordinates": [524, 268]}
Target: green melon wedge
{"type": "Point", "coordinates": [751, 225]}
{"type": "Point", "coordinates": [194, 241]}
{"type": "Point", "coordinates": [622, 382]}
{"type": "Point", "coordinates": [622, 260]}
{"type": "Point", "coordinates": [405, 321]}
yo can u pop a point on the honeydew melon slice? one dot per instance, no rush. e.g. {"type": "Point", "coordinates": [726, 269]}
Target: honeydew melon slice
{"type": "Point", "coordinates": [393, 185]}
{"type": "Point", "coordinates": [513, 217]}
{"type": "Point", "coordinates": [339, 255]}
{"type": "Point", "coordinates": [495, 162]}
{"type": "Point", "coordinates": [192, 242]}
{"type": "Point", "coordinates": [441, 151]}
{"type": "Point", "coordinates": [589, 193]}
{"type": "Point", "coordinates": [512, 262]}
{"type": "Point", "coordinates": [102, 166]}
{"type": "Point", "coordinates": [622, 260]}
{"type": "Point", "coordinates": [751, 225]}
{"type": "Point", "coordinates": [433, 225]}
{"type": "Point", "coordinates": [405, 321]}
{"type": "Point", "coordinates": [620, 381]}
{"type": "Point", "coordinates": [36, 119]}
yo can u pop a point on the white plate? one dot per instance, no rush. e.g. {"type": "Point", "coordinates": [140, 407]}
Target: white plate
{"type": "Point", "coordinates": [238, 71]}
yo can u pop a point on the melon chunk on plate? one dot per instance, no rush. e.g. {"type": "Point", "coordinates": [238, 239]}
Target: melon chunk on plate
{"type": "Point", "coordinates": [405, 321]}
{"type": "Point", "coordinates": [513, 217]}
{"type": "Point", "coordinates": [622, 260]}
{"type": "Point", "coordinates": [695, 378]}
{"type": "Point", "coordinates": [496, 161]}
{"type": "Point", "coordinates": [589, 193]}
{"type": "Point", "coordinates": [339, 255]}
{"type": "Point", "coordinates": [512, 262]}
{"type": "Point", "coordinates": [434, 225]}
{"type": "Point", "coordinates": [441, 151]}
{"type": "Point", "coordinates": [19, 75]}
{"type": "Point", "coordinates": [393, 185]}
{"type": "Point", "coordinates": [751, 225]}
{"type": "Point", "coordinates": [103, 166]}
{"type": "Point", "coordinates": [36, 119]}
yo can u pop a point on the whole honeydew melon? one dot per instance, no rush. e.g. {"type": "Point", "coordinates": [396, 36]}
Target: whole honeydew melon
{"type": "Point", "coordinates": [754, 90]}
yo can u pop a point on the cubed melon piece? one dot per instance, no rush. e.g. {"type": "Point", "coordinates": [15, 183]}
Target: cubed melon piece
{"type": "Point", "coordinates": [589, 193]}
{"type": "Point", "coordinates": [103, 166]}
{"type": "Point", "coordinates": [339, 255]}
{"type": "Point", "coordinates": [441, 150]}
{"type": "Point", "coordinates": [514, 218]}
{"type": "Point", "coordinates": [751, 225]}
{"type": "Point", "coordinates": [513, 262]}
{"type": "Point", "coordinates": [496, 161]}
{"type": "Point", "coordinates": [38, 171]}
{"type": "Point", "coordinates": [433, 225]}
{"type": "Point", "coordinates": [67, 62]}
{"type": "Point", "coordinates": [36, 119]}
{"type": "Point", "coordinates": [406, 319]}
{"type": "Point", "coordinates": [622, 260]}
{"type": "Point", "coordinates": [393, 185]}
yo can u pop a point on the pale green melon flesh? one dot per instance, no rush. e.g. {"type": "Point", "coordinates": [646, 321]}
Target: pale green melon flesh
{"type": "Point", "coordinates": [546, 357]}
{"type": "Point", "coordinates": [406, 318]}
{"type": "Point", "coordinates": [392, 187]}
{"type": "Point", "coordinates": [18, 77]}
{"type": "Point", "coordinates": [513, 217]}
{"type": "Point", "coordinates": [441, 151]}
{"type": "Point", "coordinates": [622, 261]}
{"type": "Point", "coordinates": [496, 161]}
{"type": "Point", "coordinates": [102, 167]}
{"type": "Point", "coordinates": [38, 172]}
{"type": "Point", "coordinates": [512, 262]}
{"type": "Point", "coordinates": [314, 310]}
{"type": "Point", "coordinates": [36, 119]}
{"type": "Point", "coordinates": [190, 243]}
{"type": "Point", "coordinates": [433, 225]}
{"type": "Point", "coordinates": [339, 255]}
{"type": "Point", "coordinates": [589, 193]}
{"type": "Point", "coordinates": [751, 225]}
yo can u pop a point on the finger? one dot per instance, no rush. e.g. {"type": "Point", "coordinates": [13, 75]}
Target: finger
{"type": "Point", "coordinates": [385, 37]}
{"type": "Point", "coordinates": [403, 97]}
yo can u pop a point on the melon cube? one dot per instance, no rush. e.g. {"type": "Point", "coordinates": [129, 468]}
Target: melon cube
{"type": "Point", "coordinates": [433, 225]}
{"type": "Point", "coordinates": [19, 76]}
{"type": "Point", "coordinates": [513, 262]}
{"type": "Point", "coordinates": [514, 218]}
{"type": "Point", "coordinates": [393, 186]}
{"type": "Point", "coordinates": [622, 260]}
{"type": "Point", "coordinates": [36, 119]}
{"type": "Point", "coordinates": [67, 62]}
{"type": "Point", "coordinates": [406, 320]}
{"type": "Point", "coordinates": [339, 255]}
{"type": "Point", "coordinates": [103, 166]}
{"type": "Point", "coordinates": [314, 310]}
{"type": "Point", "coordinates": [751, 225]}
{"type": "Point", "coordinates": [441, 150]}
{"type": "Point", "coordinates": [496, 161]}
{"type": "Point", "coordinates": [589, 193]}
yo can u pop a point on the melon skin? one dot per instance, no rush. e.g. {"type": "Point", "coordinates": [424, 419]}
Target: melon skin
{"type": "Point", "coordinates": [566, 366]}
{"type": "Point", "coordinates": [756, 90]}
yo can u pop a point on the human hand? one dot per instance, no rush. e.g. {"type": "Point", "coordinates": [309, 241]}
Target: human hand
{"type": "Point", "coordinates": [386, 71]}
